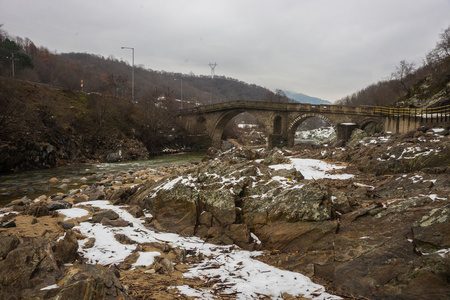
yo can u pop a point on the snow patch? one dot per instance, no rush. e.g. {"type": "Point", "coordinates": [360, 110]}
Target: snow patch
{"type": "Point", "coordinates": [236, 270]}
{"type": "Point", "coordinates": [313, 168]}
{"type": "Point", "coordinates": [50, 287]}
{"type": "Point", "coordinates": [73, 213]}
{"type": "Point", "coordinates": [145, 259]}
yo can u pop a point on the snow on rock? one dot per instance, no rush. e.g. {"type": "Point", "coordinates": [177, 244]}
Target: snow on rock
{"type": "Point", "coordinates": [239, 273]}
{"type": "Point", "coordinates": [313, 168]}
{"type": "Point", "coordinates": [192, 292]}
{"type": "Point", "coordinates": [73, 213]}
{"type": "Point", "coordinates": [236, 270]}
{"type": "Point", "coordinates": [107, 249]}
{"type": "Point", "coordinates": [145, 259]}
{"type": "Point", "coordinates": [316, 134]}
{"type": "Point", "coordinates": [375, 140]}
{"type": "Point", "coordinates": [50, 287]}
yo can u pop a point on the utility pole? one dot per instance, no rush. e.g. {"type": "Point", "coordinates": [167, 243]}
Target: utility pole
{"type": "Point", "coordinates": [181, 93]}
{"type": "Point", "coordinates": [12, 64]}
{"type": "Point", "coordinates": [83, 78]}
{"type": "Point", "coordinates": [213, 66]}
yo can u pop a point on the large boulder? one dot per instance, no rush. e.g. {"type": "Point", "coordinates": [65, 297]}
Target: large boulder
{"type": "Point", "coordinates": [29, 266]}
{"type": "Point", "coordinates": [66, 249]}
{"type": "Point", "coordinates": [394, 271]}
{"type": "Point", "coordinates": [108, 214]}
{"type": "Point", "coordinates": [174, 209]}
{"type": "Point", "coordinates": [433, 230]}
{"type": "Point", "coordinates": [308, 203]}
{"type": "Point", "coordinates": [113, 157]}
{"type": "Point", "coordinates": [61, 204]}
{"type": "Point", "coordinates": [221, 203]}
{"type": "Point", "coordinates": [88, 282]}
{"type": "Point", "coordinates": [356, 137]}
{"type": "Point", "coordinates": [275, 157]}
{"type": "Point", "coordinates": [7, 244]}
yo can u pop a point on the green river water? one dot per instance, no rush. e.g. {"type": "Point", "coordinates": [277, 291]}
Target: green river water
{"type": "Point", "coordinates": [32, 184]}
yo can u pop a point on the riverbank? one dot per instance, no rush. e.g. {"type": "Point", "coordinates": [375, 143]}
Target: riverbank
{"type": "Point", "coordinates": [34, 183]}
{"type": "Point", "coordinates": [44, 127]}
{"type": "Point", "coordinates": [124, 238]}
{"type": "Point", "coordinates": [370, 220]}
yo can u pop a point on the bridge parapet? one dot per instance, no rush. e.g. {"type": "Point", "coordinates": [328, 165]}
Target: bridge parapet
{"type": "Point", "coordinates": [275, 106]}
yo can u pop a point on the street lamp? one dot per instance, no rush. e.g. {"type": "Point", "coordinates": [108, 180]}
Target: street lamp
{"type": "Point", "coordinates": [132, 71]}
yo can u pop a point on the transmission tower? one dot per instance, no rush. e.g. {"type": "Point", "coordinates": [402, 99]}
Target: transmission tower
{"type": "Point", "coordinates": [213, 66]}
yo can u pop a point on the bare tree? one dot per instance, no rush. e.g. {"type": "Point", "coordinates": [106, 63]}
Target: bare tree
{"type": "Point", "coordinates": [443, 45]}
{"type": "Point", "coordinates": [441, 51]}
{"type": "Point", "coordinates": [403, 73]}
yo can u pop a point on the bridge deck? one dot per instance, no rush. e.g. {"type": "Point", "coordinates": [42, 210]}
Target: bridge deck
{"type": "Point", "coordinates": [290, 107]}
{"type": "Point", "coordinates": [442, 112]}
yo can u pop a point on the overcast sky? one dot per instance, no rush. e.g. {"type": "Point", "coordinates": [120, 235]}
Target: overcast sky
{"type": "Point", "coordinates": [322, 48]}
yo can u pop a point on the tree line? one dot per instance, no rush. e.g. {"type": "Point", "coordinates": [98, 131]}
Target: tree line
{"type": "Point", "coordinates": [111, 76]}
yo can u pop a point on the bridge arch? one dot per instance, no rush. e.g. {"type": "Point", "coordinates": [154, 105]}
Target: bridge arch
{"type": "Point", "coordinates": [298, 120]}
{"type": "Point", "coordinates": [372, 125]}
{"type": "Point", "coordinates": [223, 119]}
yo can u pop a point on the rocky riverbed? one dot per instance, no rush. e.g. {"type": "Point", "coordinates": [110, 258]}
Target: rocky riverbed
{"type": "Point", "coordinates": [369, 221]}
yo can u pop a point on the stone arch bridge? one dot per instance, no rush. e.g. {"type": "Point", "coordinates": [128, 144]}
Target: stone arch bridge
{"type": "Point", "coordinates": [282, 119]}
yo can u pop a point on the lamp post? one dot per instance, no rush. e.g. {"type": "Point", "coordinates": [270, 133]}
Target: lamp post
{"type": "Point", "coordinates": [132, 71]}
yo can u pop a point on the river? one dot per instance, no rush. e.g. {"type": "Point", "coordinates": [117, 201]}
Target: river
{"type": "Point", "coordinates": [34, 183]}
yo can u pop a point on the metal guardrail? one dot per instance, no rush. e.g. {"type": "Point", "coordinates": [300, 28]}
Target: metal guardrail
{"type": "Point", "coordinates": [438, 114]}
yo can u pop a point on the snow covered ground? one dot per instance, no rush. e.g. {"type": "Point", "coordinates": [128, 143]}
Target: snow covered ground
{"type": "Point", "coordinates": [313, 168]}
{"type": "Point", "coordinates": [237, 270]}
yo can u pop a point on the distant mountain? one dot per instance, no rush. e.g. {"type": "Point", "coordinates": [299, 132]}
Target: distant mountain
{"type": "Point", "coordinates": [302, 98]}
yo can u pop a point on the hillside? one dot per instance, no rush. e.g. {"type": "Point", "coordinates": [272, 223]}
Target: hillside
{"type": "Point", "coordinates": [302, 98]}
{"type": "Point", "coordinates": [42, 126]}
{"type": "Point", "coordinates": [431, 91]}
{"type": "Point", "coordinates": [106, 75]}
{"type": "Point", "coordinates": [409, 85]}
{"type": "Point", "coordinates": [109, 75]}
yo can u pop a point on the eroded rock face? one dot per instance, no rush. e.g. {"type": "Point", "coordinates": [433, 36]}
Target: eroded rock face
{"type": "Point", "coordinates": [174, 209]}
{"type": "Point", "coordinates": [274, 158]}
{"type": "Point", "coordinates": [107, 214]}
{"type": "Point", "coordinates": [7, 244]}
{"type": "Point", "coordinates": [89, 282]}
{"type": "Point", "coordinates": [66, 249]}
{"type": "Point", "coordinates": [370, 235]}
{"type": "Point", "coordinates": [29, 266]}
{"type": "Point", "coordinates": [432, 231]}
{"type": "Point", "coordinates": [221, 204]}
{"type": "Point", "coordinates": [297, 236]}
{"type": "Point", "coordinates": [308, 203]}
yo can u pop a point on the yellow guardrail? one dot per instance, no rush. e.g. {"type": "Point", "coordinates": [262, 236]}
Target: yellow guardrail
{"type": "Point", "coordinates": [413, 112]}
